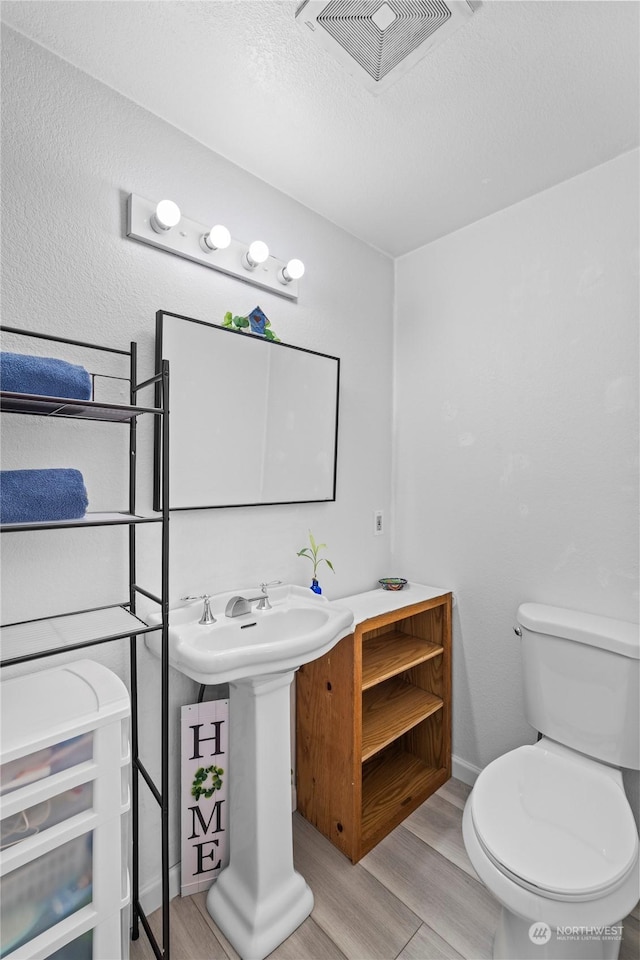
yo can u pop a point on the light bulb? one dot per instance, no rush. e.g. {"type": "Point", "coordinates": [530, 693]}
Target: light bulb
{"type": "Point", "coordinates": [257, 253]}
{"type": "Point", "coordinates": [293, 271]}
{"type": "Point", "coordinates": [218, 238]}
{"type": "Point", "coordinates": [166, 216]}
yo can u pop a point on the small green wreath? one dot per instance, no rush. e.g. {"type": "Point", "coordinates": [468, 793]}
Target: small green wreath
{"type": "Point", "coordinates": [199, 788]}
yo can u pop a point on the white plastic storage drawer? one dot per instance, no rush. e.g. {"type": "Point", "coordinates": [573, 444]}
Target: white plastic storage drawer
{"type": "Point", "coordinates": [45, 891]}
{"type": "Point", "coordinates": [45, 814]}
{"type": "Point", "coordinates": [64, 793]}
{"type": "Point", "coordinates": [44, 763]}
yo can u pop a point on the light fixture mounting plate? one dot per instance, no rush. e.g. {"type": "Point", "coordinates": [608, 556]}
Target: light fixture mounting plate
{"type": "Point", "coordinates": [184, 241]}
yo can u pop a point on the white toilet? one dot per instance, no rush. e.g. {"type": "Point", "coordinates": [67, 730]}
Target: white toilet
{"type": "Point", "coordinates": [548, 828]}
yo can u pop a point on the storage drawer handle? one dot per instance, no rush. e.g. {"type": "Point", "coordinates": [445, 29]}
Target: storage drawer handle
{"type": "Point", "coordinates": [126, 896]}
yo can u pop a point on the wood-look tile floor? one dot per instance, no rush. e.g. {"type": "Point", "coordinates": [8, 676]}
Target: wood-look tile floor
{"type": "Point", "coordinates": [414, 897]}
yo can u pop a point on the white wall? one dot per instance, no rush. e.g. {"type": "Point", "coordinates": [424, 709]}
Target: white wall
{"type": "Point", "coordinates": [517, 429]}
{"type": "Point", "coordinates": [72, 152]}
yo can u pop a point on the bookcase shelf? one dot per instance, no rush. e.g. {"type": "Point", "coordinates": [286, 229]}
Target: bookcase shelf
{"type": "Point", "coordinates": [392, 653]}
{"type": "Point", "coordinates": [389, 710]}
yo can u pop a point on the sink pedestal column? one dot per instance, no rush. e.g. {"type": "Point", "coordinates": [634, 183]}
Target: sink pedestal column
{"type": "Point", "coordinates": [259, 899]}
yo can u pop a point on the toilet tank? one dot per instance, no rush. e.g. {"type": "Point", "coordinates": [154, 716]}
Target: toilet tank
{"type": "Point", "coordinates": [581, 676]}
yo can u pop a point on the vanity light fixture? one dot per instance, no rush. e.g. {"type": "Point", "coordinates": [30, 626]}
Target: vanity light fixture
{"type": "Point", "coordinates": [293, 271]}
{"type": "Point", "coordinates": [256, 254]}
{"type": "Point", "coordinates": [162, 225]}
{"type": "Point", "coordinates": [218, 238]}
{"type": "Point", "coordinates": [165, 216]}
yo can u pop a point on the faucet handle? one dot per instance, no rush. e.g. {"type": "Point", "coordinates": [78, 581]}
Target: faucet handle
{"type": "Point", "coordinates": [207, 616]}
{"type": "Point", "coordinates": [264, 602]}
{"type": "Point", "coordinates": [271, 583]}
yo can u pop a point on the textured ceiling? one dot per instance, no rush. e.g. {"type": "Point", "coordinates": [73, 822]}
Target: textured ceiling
{"type": "Point", "coordinates": [528, 93]}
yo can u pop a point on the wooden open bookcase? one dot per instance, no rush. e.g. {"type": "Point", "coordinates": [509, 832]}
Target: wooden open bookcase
{"type": "Point", "coordinates": [374, 725]}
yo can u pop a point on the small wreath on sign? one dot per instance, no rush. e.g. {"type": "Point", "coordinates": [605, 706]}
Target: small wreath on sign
{"type": "Point", "coordinates": [200, 787]}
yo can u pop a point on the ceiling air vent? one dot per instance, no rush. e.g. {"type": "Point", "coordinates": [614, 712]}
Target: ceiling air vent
{"type": "Point", "coordinates": [378, 41]}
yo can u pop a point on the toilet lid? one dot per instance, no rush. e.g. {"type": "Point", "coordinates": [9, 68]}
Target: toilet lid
{"type": "Point", "coordinates": [559, 826]}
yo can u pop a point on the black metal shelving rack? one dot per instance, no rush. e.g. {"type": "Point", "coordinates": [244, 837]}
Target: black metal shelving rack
{"type": "Point", "coordinates": [86, 628]}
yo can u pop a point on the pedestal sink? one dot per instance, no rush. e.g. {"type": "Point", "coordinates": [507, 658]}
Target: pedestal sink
{"type": "Point", "coordinates": [259, 899]}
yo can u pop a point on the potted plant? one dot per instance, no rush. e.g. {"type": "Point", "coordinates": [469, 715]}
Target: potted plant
{"type": "Point", "coordinates": [312, 552]}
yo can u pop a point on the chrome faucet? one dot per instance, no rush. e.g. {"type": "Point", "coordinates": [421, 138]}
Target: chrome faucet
{"type": "Point", "coordinates": [207, 616]}
{"type": "Point", "coordinates": [240, 606]}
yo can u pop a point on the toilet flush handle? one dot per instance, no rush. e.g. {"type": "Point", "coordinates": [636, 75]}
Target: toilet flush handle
{"type": "Point", "coordinates": [517, 631]}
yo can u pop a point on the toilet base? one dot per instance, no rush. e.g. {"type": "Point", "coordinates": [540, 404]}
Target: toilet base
{"type": "Point", "coordinates": [520, 938]}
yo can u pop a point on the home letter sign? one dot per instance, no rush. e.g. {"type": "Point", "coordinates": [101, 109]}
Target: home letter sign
{"type": "Point", "coordinates": [205, 776]}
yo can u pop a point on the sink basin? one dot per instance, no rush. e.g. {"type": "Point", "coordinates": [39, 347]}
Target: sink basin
{"type": "Point", "coordinates": [300, 627]}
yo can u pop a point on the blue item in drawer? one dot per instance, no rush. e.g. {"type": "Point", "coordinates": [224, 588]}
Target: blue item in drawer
{"type": "Point", "coordinates": [79, 949]}
{"type": "Point", "coordinates": [44, 891]}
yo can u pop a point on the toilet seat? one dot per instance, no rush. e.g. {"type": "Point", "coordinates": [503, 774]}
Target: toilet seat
{"type": "Point", "coordinates": [555, 823]}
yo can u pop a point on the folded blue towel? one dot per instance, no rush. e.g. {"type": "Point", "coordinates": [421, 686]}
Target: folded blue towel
{"type": "Point", "coordinates": [30, 495]}
{"type": "Point", "coordinates": [45, 376]}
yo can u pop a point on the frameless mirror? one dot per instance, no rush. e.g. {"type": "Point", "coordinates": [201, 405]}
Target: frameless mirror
{"type": "Point", "coordinates": [252, 421]}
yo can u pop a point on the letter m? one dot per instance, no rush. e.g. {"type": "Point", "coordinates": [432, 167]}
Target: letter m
{"type": "Point", "coordinates": [195, 813]}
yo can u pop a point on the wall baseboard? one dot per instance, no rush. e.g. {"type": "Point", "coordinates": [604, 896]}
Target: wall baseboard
{"type": "Point", "coordinates": [464, 771]}
{"type": "Point", "coordinates": [151, 895]}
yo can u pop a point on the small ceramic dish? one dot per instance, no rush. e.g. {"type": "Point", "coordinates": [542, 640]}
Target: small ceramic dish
{"type": "Point", "coordinates": [392, 583]}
